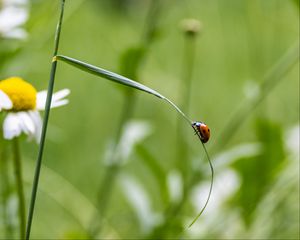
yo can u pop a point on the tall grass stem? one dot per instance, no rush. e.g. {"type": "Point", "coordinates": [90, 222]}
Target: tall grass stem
{"type": "Point", "coordinates": [45, 123]}
{"type": "Point", "coordinates": [5, 190]}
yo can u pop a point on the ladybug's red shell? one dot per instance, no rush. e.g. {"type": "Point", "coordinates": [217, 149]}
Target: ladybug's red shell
{"type": "Point", "coordinates": [203, 131]}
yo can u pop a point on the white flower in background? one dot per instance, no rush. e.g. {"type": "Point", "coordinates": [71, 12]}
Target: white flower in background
{"type": "Point", "coordinates": [252, 90]}
{"type": "Point", "coordinates": [139, 200]}
{"type": "Point", "coordinates": [175, 186]}
{"type": "Point", "coordinates": [13, 14]}
{"type": "Point", "coordinates": [22, 102]}
{"type": "Point", "coordinates": [226, 184]}
{"type": "Point", "coordinates": [133, 133]}
{"type": "Point", "coordinates": [292, 141]}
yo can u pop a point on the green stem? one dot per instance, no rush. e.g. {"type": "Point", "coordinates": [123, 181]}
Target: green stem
{"type": "Point", "coordinates": [5, 190]}
{"type": "Point", "coordinates": [186, 81]}
{"type": "Point", "coordinates": [189, 63]}
{"type": "Point", "coordinates": [45, 123]}
{"type": "Point", "coordinates": [19, 186]}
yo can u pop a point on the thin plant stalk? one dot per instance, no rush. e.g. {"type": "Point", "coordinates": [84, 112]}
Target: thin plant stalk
{"type": "Point", "coordinates": [45, 123]}
{"type": "Point", "coordinates": [182, 152]}
{"type": "Point", "coordinates": [19, 186]}
{"type": "Point", "coordinates": [188, 70]}
{"type": "Point", "coordinates": [5, 186]}
{"type": "Point", "coordinates": [186, 81]}
{"type": "Point", "coordinates": [210, 187]}
{"type": "Point", "coordinates": [106, 186]}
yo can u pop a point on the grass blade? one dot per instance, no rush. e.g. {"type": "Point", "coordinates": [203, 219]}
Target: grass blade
{"type": "Point", "coordinates": [117, 78]}
{"type": "Point", "coordinates": [107, 74]}
{"type": "Point", "coordinates": [45, 124]}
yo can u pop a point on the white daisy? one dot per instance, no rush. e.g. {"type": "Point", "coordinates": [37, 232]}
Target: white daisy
{"type": "Point", "coordinates": [22, 102]}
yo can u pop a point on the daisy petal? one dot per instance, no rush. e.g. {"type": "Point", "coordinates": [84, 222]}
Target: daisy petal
{"type": "Point", "coordinates": [5, 102]}
{"type": "Point", "coordinates": [26, 123]}
{"type": "Point", "coordinates": [61, 94]}
{"type": "Point", "coordinates": [59, 103]}
{"type": "Point", "coordinates": [37, 121]}
{"type": "Point", "coordinates": [11, 126]}
{"type": "Point", "coordinates": [57, 99]}
{"type": "Point", "coordinates": [41, 100]}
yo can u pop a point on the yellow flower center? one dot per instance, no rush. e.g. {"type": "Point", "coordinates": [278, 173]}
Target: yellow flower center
{"type": "Point", "coordinates": [21, 93]}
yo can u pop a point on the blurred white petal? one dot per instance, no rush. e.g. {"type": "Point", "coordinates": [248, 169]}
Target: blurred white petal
{"type": "Point", "coordinates": [11, 126]}
{"type": "Point", "coordinates": [5, 102]}
{"type": "Point", "coordinates": [41, 100]}
{"type": "Point", "coordinates": [59, 103]}
{"type": "Point", "coordinates": [14, 2]}
{"type": "Point", "coordinates": [293, 141]}
{"type": "Point", "coordinates": [224, 159]}
{"type": "Point", "coordinates": [12, 17]}
{"type": "Point", "coordinates": [251, 89]}
{"type": "Point", "coordinates": [175, 186]}
{"type": "Point", "coordinates": [140, 202]}
{"type": "Point", "coordinates": [17, 33]}
{"type": "Point", "coordinates": [60, 94]}
{"type": "Point", "coordinates": [225, 184]}
{"type": "Point", "coordinates": [29, 123]}
{"type": "Point", "coordinates": [57, 99]}
{"type": "Point", "coordinates": [13, 14]}
{"type": "Point", "coordinates": [37, 121]}
{"type": "Point", "coordinates": [133, 133]}
{"type": "Point", "coordinates": [26, 123]}
{"type": "Point", "coordinates": [12, 210]}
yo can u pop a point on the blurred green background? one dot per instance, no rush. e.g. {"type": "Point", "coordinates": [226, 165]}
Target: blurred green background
{"type": "Point", "coordinates": [256, 191]}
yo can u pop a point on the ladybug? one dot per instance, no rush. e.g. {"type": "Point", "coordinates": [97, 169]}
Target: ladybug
{"type": "Point", "coordinates": [202, 130]}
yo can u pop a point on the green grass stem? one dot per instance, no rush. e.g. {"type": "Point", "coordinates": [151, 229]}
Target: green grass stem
{"type": "Point", "coordinates": [5, 190]}
{"type": "Point", "coordinates": [45, 124]}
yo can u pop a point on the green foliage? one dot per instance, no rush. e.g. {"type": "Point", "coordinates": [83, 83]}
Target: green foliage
{"type": "Point", "coordinates": [130, 61]}
{"type": "Point", "coordinates": [240, 43]}
{"type": "Point", "coordinates": [257, 173]}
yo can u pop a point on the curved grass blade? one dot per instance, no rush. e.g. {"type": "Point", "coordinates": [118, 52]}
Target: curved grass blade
{"type": "Point", "coordinates": [107, 74]}
{"type": "Point", "coordinates": [128, 82]}
{"type": "Point", "coordinates": [116, 78]}
{"type": "Point", "coordinates": [211, 181]}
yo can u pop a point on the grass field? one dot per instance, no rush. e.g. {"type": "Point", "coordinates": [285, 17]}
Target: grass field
{"type": "Point", "coordinates": [239, 75]}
